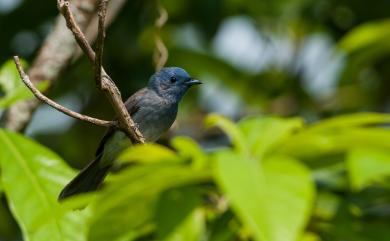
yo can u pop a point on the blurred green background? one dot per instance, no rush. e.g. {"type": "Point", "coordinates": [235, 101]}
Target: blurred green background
{"type": "Point", "coordinates": [308, 58]}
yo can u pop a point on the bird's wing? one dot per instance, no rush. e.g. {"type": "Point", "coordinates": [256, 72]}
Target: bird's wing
{"type": "Point", "coordinates": [132, 106]}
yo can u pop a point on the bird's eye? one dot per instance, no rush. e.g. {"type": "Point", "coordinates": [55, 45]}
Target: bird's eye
{"type": "Point", "coordinates": [173, 79]}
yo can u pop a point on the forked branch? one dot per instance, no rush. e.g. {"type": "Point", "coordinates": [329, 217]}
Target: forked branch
{"type": "Point", "coordinates": [103, 81]}
{"type": "Point", "coordinates": [54, 104]}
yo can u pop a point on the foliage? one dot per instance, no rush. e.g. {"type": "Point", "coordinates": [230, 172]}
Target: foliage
{"type": "Point", "coordinates": [12, 88]}
{"type": "Point", "coordinates": [280, 180]}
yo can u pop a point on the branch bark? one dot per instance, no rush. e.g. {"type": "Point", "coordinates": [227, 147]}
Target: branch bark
{"type": "Point", "coordinates": [102, 11]}
{"type": "Point", "coordinates": [54, 104]}
{"type": "Point", "coordinates": [104, 83]}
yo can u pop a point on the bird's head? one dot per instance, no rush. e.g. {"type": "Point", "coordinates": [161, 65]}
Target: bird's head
{"type": "Point", "coordinates": [172, 83]}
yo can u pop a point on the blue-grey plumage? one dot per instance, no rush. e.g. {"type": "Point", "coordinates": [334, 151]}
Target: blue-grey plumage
{"type": "Point", "coordinates": [153, 109]}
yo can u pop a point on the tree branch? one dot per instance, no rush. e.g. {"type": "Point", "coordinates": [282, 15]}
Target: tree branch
{"type": "Point", "coordinates": [54, 104]}
{"type": "Point", "coordinates": [126, 124]}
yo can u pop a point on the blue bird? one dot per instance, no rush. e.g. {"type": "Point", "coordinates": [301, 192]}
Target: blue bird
{"type": "Point", "coordinates": [152, 108]}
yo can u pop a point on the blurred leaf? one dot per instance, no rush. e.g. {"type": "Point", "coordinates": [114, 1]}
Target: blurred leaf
{"type": "Point", "coordinates": [229, 128]}
{"type": "Point", "coordinates": [326, 205]}
{"type": "Point", "coordinates": [224, 228]}
{"type": "Point", "coordinates": [193, 228]}
{"type": "Point", "coordinates": [262, 194]}
{"type": "Point", "coordinates": [177, 217]}
{"type": "Point", "coordinates": [129, 199]}
{"type": "Point", "coordinates": [13, 87]}
{"type": "Point", "coordinates": [366, 166]}
{"type": "Point", "coordinates": [188, 148]}
{"type": "Point", "coordinates": [310, 143]}
{"type": "Point", "coordinates": [310, 237]}
{"type": "Point", "coordinates": [351, 120]}
{"type": "Point", "coordinates": [8, 227]}
{"type": "Point", "coordinates": [263, 133]}
{"type": "Point", "coordinates": [9, 76]}
{"type": "Point", "coordinates": [32, 177]}
{"type": "Point", "coordinates": [21, 93]}
{"type": "Point", "coordinates": [148, 153]}
{"type": "Point", "coordinates": [365, 35]}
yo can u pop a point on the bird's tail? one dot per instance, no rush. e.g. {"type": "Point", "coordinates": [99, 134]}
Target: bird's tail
{"type": "Point", "coordinates": [89, 179]}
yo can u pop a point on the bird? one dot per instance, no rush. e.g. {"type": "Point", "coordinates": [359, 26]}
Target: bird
{"type": "Point", "coordinates": [153, 109]}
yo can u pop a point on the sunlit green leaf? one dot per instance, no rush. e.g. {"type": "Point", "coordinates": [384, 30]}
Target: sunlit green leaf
{"type": "Point", "coordinates": [365, 35]}
{"type": "Point", "coordinates": [32, 177]}
{"type": "Point", "coordinates": [312, 143]}
{"type": "Point", "coordinates": [263, 193]}
{"type": "Point", "coordinates": [351, 120]}
{"type": "Point", "coordinates": [148, 153]}
{"type": "Point", "coordinates": [263, 133]}
{"type": "Point", "coordinates": [366, 166]}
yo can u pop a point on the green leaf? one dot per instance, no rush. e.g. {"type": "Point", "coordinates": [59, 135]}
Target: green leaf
{"type": "Point", "coordinates": [9, 76]}
{"type": "Point", "coordinates": [129, 199]}
{"type": "Point", "coordinates": [339, 134]}
{"type": "Point", "coordinates": [13, 87]}
{"type": "Point", "coordinates": [351, 120]}
{"type": "Point", "coordinates": [21, 93]}
{"type": "Point", "coordinates": [148, 153]}
{"type": "Point", "coordinates": [193, 228]}
{"type": "Point", "coordinates": [229, 128]}
{"type": "Point", "coordinates": [188, 148]}
{"type": "Point", "coordinates": [262, 133]}
{"type": "Point", "coordinates": [315, 143]}
{"type": "Point", "coordinates": [262, 194]}
{"type": "Point", "coordinates": [177, 217]}
{"type": "Point", "coordinates": [366, 166]}
{"type": "Point", "coordinates": [366, 35]}
{"type": "Point", "coordinates": [32, 177]}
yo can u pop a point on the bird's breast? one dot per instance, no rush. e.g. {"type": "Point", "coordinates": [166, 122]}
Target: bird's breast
{"type": "Point", "coordinates": [153, 119]}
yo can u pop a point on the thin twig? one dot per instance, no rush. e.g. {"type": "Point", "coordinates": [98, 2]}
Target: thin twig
{"type": "Point", "coordinates": [102, 11]}
{"type": "Point", "coordinates": [126, 124]}
{"type": "Point", "coordinates": [64, 7]}
{"type": "Point", "coordinates": [66, 111]}
{"type": "Point", "coordinates": [160, 56]}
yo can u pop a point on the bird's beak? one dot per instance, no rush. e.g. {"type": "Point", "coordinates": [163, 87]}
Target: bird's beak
{"type": "Point", "coordinates": [192, 81]}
